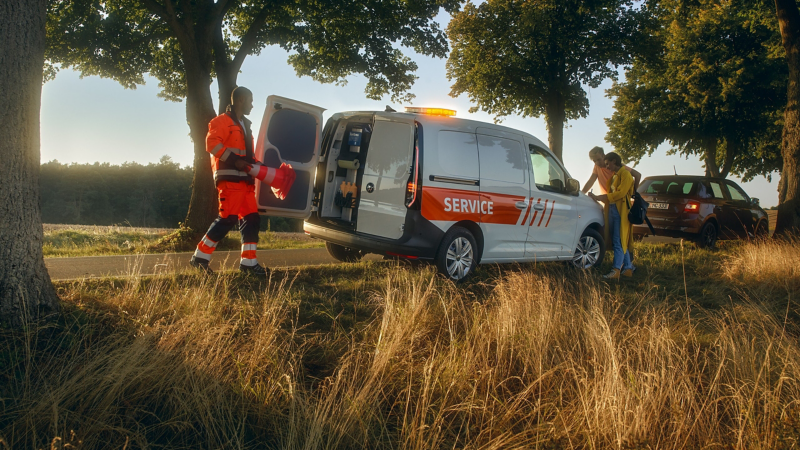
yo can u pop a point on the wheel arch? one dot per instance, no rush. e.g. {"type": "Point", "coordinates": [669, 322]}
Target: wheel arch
{"type": "Point", "coordinates": [476, 231]}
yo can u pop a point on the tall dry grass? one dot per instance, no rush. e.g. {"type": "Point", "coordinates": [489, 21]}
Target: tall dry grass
{"type": "Point", "coordinates": [531, 358]}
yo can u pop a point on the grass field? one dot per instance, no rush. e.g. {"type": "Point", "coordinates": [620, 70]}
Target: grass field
{"type": "Point", "coordinates": [699, 350]}
{"type": "Point", "coordinates": [88, 240]}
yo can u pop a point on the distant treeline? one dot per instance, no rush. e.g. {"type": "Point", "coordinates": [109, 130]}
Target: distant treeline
{"type": "Point", "coordinates": [152, 195]}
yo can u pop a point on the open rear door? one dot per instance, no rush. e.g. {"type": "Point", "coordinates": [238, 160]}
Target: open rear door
{"type": "Point", "coordinates": [290, 132]}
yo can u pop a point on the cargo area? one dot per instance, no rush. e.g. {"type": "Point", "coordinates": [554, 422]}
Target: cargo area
{"type": "Point", "coordinates": [363, 173]}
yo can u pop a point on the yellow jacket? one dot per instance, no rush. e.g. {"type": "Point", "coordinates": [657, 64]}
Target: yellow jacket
{"type": "Point", "coordinates": [620, 190]}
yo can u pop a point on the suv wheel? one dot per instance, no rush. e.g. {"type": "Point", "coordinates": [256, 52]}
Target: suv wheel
{"type": "Point", "coordinates": [342, 253]}
{"type": "Point", "coordinates": [590, 250]}
{"type": "Point", "coordinates": [456, 257]}
{"type": "Point", "coordinates": [762, 230]}
{"type": "Point", "coordinates": [708, 236]}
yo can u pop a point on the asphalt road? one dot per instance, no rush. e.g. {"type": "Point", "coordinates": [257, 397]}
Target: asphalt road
{"type": "Point", "coordinates": [126, 265]}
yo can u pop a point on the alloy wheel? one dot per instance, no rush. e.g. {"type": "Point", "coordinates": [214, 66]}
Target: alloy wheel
{"type": "Point", "coordinates": [459, 258]}
{"type": "Point", "coordinates": [587, 252]}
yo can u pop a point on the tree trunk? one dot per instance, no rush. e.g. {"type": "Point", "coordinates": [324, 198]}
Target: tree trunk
{"type": "Point", "coordinates": [789, 186]}
{"type": "Point", "coordinates": [25, 288]}
{"type": "Point", "coordinates": [554, 116]}
{"type": "Point", "coordinates": [710, 157]}
{"type": "Point", "coordinates": [199, 112]}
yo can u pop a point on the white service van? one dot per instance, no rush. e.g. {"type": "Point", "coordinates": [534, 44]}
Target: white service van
{"type": "Point", "coordinates": [422, 184]}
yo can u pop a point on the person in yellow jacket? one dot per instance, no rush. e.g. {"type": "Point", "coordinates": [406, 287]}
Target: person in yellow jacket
{"type": "Point", "coordinates": [617, 204]}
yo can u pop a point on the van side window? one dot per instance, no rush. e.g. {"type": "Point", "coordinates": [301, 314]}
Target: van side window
{"type": "Point", "coordinates": [501, 159]}
{"type": "Point", "coordinates": [458, 154]}
{"type": "Point", "coordinates": [547, 173]}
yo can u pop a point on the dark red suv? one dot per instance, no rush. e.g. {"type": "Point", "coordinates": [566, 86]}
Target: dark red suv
{"type": "Point", "coordinates": [702, 209]}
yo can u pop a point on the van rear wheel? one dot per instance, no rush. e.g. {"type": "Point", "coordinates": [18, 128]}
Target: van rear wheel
{"type": "Point", "coordinates": [456, 257]}
{"type": "Point", "coordinates": [342, 253]}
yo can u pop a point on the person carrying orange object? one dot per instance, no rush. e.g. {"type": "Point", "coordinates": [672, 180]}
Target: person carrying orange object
{"type": "Point", "coordinates": [230, 144]}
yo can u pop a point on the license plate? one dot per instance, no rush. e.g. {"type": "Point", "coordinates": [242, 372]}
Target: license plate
{"type": "Point", "coordinates": [659, 205]}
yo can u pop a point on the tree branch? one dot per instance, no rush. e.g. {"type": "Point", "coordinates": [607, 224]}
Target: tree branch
{"type": "Point", "coordinates": [250, 38]}
{"type": "Point", "coordinates": [156, 8]}
{"type": "Point", "coordinates": [731, 149]}
{"type": "Point", "coordinates": [221, 8]}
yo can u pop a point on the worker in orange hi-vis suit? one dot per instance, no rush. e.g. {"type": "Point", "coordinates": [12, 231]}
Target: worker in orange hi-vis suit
{"type": "Point", "coordinates": [230, 145]}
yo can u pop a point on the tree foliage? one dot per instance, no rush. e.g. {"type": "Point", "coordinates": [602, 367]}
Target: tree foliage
{"type": "Point", "coordinates": [710, 81]}
{"type": "Point", "coordinates": [187, 43]}
{"type": "Point", "coordinates": [328, 41]}
{"type": "Point", "coordinates": [535, 58]}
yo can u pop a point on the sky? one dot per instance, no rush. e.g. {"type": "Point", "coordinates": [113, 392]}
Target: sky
{"type": "Point", "coordinates": [91, 119]}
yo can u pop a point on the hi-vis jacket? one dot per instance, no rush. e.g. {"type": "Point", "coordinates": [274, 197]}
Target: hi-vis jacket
{"type": "Point", "coordinates": [227, 141]}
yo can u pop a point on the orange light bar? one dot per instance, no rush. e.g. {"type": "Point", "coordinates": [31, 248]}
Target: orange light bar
{"type": "Point", "coordinates": [431, 111]}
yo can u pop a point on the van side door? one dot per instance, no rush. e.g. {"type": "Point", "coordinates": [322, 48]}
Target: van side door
{"type": "Point", "coordinates": [505, 190]}
{"type": "Point", "coordinates": [552, 218]}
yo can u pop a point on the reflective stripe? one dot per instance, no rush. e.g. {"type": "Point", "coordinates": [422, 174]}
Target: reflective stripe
{"type": "Point", "coordinates": [209, 242]}
{"type": "Point", "coordinates": [237, 151]}
{"type": "Point", "coordinates": [248, 251]}
{"type": "Point", "coordinates": [229, 173]}
{"type": "Point", "coordinates": [215, 151]}
{"type": "Point", "coordinates": [225, 154]}
{"type": "Point", "coordinates": [201, 254]}
{"type": "Point", "coordinates": [249, 262]}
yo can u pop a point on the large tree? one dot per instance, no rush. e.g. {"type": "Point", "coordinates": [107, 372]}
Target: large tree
{"type": "Point", "coordinates": [789, 186]}
{"type": "Point", "coordinates": [709, 79]}
{"type": "Point", "coordinates": [535, 57]}
{"type": "Point", "coordinates": [25, 288]}
{"type": "Point", "coordinates": [186, 43]}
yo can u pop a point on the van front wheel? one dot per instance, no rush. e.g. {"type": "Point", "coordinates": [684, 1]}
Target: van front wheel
{"type": "Point", "coordinates": [342, 253]}
{"type": "Point", "coordinates": [590, 250]}
{"type": "Point", "coordinates": [457, 255]}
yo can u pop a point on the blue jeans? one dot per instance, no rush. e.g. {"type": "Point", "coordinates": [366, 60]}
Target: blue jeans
{"type": "Point", "coordinates": [621, 260]}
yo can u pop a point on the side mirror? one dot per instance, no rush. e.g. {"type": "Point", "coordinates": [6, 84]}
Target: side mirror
{"type": "Point", "coordinates": [754, 201]}
{"type": "Point", "coordinates": [573, 186]}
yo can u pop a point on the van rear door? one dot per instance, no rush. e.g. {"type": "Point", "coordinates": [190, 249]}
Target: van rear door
{"type": "Point", "coordinates": [291, 132]}
{"type": "Point", "coordinates": [381, 209]}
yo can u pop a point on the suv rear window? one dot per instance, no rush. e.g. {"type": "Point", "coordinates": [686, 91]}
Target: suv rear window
{"type": "Point", "coordinates": [670, 187]}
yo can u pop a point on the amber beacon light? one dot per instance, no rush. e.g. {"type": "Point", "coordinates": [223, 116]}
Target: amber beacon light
{"type": "Point", "coordinates": [431, 111]}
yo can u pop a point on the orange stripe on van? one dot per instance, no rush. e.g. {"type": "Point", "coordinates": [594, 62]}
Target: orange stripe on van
{"type": "Point", "coordinates": [543, 213]}
{"type": "Point", "coordinates": [535, 212]}
{"type": "Point", "coordinates": [446, 204]}
{"type": "Point", "coordinates": [552, 207]}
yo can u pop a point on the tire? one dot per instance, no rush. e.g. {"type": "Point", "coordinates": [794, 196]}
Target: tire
{"type": "Point", "coordinates": [762, 230]}
{"type": "Point", "coordinates": [590, 250]}
{"type": "Point", "coordinates": [708, 236]}
{"type": "Point", "coordinates": [342, 253]}
{"type": "Point", "coordinates": [457, 256]}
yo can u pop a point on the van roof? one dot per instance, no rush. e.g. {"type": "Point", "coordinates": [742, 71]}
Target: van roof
{"type": "Point", "coordinates": [456, 123]}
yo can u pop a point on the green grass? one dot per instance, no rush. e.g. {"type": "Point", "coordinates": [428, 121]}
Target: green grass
{"type": "Point", "coordinates": [388, 355]}
{"type": "Point", "coordinates": [68, 241]}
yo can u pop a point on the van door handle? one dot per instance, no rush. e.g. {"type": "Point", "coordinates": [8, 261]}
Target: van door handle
{"type": "Point", "coordinates": [521, 205]}
{"type": "Point", "coordinates": [538, 206]}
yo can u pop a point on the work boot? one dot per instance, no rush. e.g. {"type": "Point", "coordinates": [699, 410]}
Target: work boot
{"type": "Point", "coordinates": [613, 275]}
{"type": "Point", "coordinates": [258, 270]}
{"type": "Point", "coordinates": [201, 264]}
{"type": "Point", "coordinates": [627, 273]}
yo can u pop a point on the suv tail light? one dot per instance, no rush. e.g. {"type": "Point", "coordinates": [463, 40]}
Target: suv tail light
{"type": "Point", "coordinates": [692, 207]}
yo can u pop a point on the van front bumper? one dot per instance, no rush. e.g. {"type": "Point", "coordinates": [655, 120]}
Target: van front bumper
{"type": "Point", "coordinates": [421, 245]}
